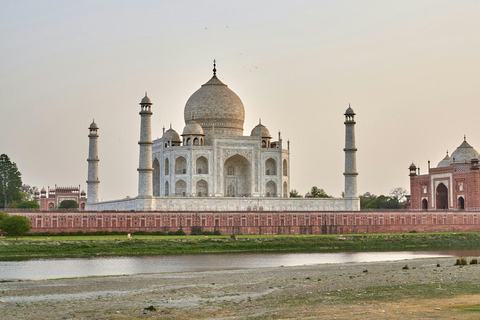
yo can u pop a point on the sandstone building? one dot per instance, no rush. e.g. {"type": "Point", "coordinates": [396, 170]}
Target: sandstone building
{"type": "Point", "coordinates": [453, 185]}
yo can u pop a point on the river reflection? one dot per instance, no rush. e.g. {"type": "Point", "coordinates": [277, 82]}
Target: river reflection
{"type": "Point", "coordinates": [70, 268]}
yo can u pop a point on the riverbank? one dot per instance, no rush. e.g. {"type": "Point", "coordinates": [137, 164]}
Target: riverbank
{"type": "Point", "coordinates": [429, 288]}
{"type": "Point", "coordinates": [58, 247]}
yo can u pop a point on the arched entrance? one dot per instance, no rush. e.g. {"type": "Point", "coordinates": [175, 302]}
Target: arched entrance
{"type": "Point", "coordinates": [202, 188]}
{"type": "Point", "coordinates": [425, 204]}
{"type": "Point", "coordinates": [237, 177]}
{"type": "Point", "coordinates": [180, 188]}
{"type": "Point", "coordinates": [442, 197]}
{"type": "Point", "coordinates": [156, 178]}
{"type": "Point", "coordinates": [271, 189]}
{"type": "Point", "coordinates": [461, 203]}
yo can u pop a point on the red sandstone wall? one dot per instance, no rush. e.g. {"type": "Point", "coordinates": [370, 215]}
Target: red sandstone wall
{"type": "Point", "coordinates": [257, 222]}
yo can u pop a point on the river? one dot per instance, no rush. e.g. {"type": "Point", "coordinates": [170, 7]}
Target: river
{"type": "Point", "coordinates": [83, 267]}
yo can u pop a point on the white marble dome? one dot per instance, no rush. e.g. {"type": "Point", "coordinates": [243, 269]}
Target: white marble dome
{"type": "Point", "coordinates": [260, 131]}
{"type": "Point", "coordinates": [215, 106]}
{"type": "Point", "coordinates": [445, 162]}
{"type": "Point", "coordinates": [464, 153]}
{"type": "Point", "coordinates": [193, 128]}
{"type": "Point", "coordinates": [171, 135]}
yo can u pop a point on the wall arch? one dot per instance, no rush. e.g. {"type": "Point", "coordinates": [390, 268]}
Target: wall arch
{"type": "Point", "coordinates": [180, 188]}
{"type": "Point", "coordinates": [270, 167]}
{"type": "Point", "coordinates": [156, 177]}
{"type": "Point", "coordinates": [202, 165]}
{"type": "Point", "coordinates": [285, 168]}
{"type": "Point", "coordinates": [442, 197]}
{"type": "Point", "coordinates": [202, 188]}
{"type": "Point", "coordinates": [237, 172]}
{"type": "Point", "coordinates": [180, 165]}
{"type": "Point", "coordinates": [271, 189]}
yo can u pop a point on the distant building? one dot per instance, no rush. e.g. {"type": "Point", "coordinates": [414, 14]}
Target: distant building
{"type": "Point", "coordinates": [453, 185]}
{"type": "Point", "coordinates": [52, 199]}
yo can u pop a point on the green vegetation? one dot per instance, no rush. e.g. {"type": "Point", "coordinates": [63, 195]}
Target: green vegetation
{"type": "Point", "coordinates": [369, 201]}
{"type": "Point", "coordinates": [30, 204]}
{"type": "Point", "coordinates": [68, 204]}
{"type": "Point", "coordinates": [15, 225]}
{"type": "Point", "coordinates": [315, 192]}
{"type": "Point", "coordinates": [10, 182]}
{"type": "Point", "coordinates": [77, 244]}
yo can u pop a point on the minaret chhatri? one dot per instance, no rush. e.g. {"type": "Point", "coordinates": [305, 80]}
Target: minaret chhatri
{"type": "Point", "coordinates": [350, 155]}
{"type": "Point", "coordinates": [145, 169]}
{"type": "Point", "coordinates": [92, 182]}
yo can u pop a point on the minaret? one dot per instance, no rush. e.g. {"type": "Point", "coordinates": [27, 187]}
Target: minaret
{"type": "Point", "coordinates": [350, 155]}
{"type": "Point", "coordinates": [92, 182]}
{"type": "Point", "coordinates": [145, 169]}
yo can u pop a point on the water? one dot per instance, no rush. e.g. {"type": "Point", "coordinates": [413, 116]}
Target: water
{"type": "Point", "coordinates": [71, 268]}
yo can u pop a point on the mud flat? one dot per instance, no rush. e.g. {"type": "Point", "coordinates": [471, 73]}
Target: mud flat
{"type": "Point", "coordinates": [428, 288]}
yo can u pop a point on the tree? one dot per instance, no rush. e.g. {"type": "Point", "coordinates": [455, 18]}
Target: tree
{"type": "Point", "coordinates": [398, 194]}
{"type": "Point", "coordinates": [68, 204]}
{"type": "Point", "coordinates": [10, 181]}
{"type": "Point", "coordinates": [294, 194]}
{"type": "Point", "coordinates": [315, 192]}
{"type": "Point", "coordinates": [32, 204]}
{"type": "Point", "coordinates": [29, 191]}
{"type": "Point", "coordinates": [15, 225]}
{"type": "Point", "coordinates": [366, 198]}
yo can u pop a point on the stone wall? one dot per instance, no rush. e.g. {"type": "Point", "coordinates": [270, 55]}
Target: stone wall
{"type": "Point", "coordinates": [224, 204]}
{"type": "Point", "coordinates": [256, 222]}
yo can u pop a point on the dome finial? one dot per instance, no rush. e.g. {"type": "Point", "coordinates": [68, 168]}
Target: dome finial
{"type": "Point", "coordinates": [145, 93]}
{"type": "Point", "coordinates": [447, 153]}
{"type": "Point", "coordinates": [214, 68]}
{"type": "Point", "coordinates": [259, 120]}
{"type": "Point", "coordinates": [464, 137]}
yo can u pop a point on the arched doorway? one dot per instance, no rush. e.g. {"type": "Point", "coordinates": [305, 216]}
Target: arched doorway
{"type": "Point", "coordinates": [270, 167]}
{"type": "Point", "coordinates": [285, 190]}
{"type": "Point", "coordinates": [237, 177]}
{"type": "Point", "coordinates": [156, 178]}
{"type": "Point", "coordinates": [180, 165]}
{"type": "Point", "coordinates": [271, 189]}
{"type": "Point", "coordinates": [202, 188]}
{"type": "Point", "coordinates": [202, 165]}
{"type": "Point", "coordinates": [442, 197]}
{"type": "Point", "coordinates": [461, 203]}
{"type": "Point", "coordinates": [425, 204]}
{"type": "Point", "coordinates": [180, 188]}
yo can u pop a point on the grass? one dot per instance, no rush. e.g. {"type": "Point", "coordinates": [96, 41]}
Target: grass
{"type": "Point", "coordinates": [119, 245]}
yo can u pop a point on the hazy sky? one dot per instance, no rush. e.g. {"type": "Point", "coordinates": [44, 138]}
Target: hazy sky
{"type": "Point", "coordinates": [410, 70]}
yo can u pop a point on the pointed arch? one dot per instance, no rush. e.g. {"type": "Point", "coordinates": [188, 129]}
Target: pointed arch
{"type": "Point", "coordinates": [285, 168]}
{"type": "Point", "coordinates": [425, 204]}
{"type": "Point", "coordinates": [442, 197]}
{"type": "Point", "coordinates": [461, 203]}
{"type": "Point", "coordinates": [202, 188]}
{"type": "Point", "coordinates": [271, 189]}
{"type": "Point", "coordinates": [285, 189]}
{"type": "Point", "coordinates": [167, 166]}
{"type": "Point", "coordinates": [167, 189]}
{"type": "Point", "coordinates": [156, 177]}
{"type": "Point", "coordinates": [270, 167]}
{"type": "Point", "coordinates": [237, 172]}
{"type": "Point", "coordinates": [180, 165]}
{"type": "Point", "coordinates": [202, 165]}
{"type": "Point", "coordinates": [180, 188]}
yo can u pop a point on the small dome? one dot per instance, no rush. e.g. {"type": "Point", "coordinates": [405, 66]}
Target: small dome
{"type": "Point", "coordinates": [93, 126]}
{"type": "Point", "coordinates": [464, 153]}
{"type": "Point", "coordinates": [171, 135]}
{"type": "Point", "coordinates": [146, 100]}
{"type": "Point", "coordinates": [83, 193]}
{"type": "Point", "coordinates": [43, 190]}
{"type": "Point", "coordinates": [260, 131]}
{"type": "Point", "coordinates": [412, 166]}
{"type": "Point", "coordinates": [37, 192]}
{"type": "Point", "coordinates": [445, 162]}
{"type": "Point", "coordinates": [192, 128]}
{"type": "Point", "coordinates": [349, 111]}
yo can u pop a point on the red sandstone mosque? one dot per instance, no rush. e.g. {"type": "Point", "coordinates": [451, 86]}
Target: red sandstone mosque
{"type": "Point", "coordinates": [453, 185]}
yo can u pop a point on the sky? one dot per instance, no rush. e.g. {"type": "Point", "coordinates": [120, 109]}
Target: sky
{"type": "Point", "coordinates": [409, 69]}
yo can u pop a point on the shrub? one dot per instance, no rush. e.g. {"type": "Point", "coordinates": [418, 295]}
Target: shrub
{"type": "Point", "coordinates": [474, 261]}
{"type": "Point", "coordinates": [461, 262]}
{"type": "Point", "coordinates": [232, 236]}
{"type": "Point", "coordinates": [406, 267]}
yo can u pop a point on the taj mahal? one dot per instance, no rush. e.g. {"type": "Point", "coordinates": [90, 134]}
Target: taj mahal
{"type": "Point", "coordinates": [213, 166]}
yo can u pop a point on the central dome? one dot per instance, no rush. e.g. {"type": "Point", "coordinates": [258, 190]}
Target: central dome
{"type": "Point", "coordinates": [217, 109]}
